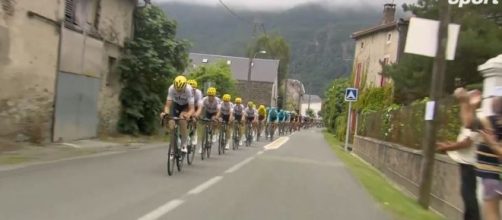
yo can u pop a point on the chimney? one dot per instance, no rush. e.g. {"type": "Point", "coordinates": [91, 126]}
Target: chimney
{"type": "Point", "coordinates": [389, 13]}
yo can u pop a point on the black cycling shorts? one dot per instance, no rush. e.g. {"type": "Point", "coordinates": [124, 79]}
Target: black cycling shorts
{"type": "Point", "coordinates": [177, 109]}
{"type": "Point", "coordinates": [225, 118]}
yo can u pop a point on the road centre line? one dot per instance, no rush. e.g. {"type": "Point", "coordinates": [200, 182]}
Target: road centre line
{"type": "Point", "coordinates": [200, 188]}
{"type": "Point", "coordinates": [239, 165]}
{"type": "Point", "coordinates": [162, 210]}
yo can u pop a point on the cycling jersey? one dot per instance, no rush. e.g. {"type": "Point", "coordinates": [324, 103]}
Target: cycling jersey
{"type": "Point", "coordinates": [250, 112]}
{"type": "Point", "coordinates": [211, 107]}
{"type": "Point", "coordinates": [272, 115]}
{"type": "Point", "coordinates": [238, 109]}
{"type": "Point", "coordinates": [181, 98]}
{"type": "Point", "coordinates": [197, 97]}
{"type": "Point", "coordinates": [281, 116]}
{"type": "Point", "coordinates": [226, 108]}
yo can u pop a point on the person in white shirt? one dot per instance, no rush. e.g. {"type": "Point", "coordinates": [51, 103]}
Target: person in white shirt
{"type": "Point", "coordinates": [180, 103]}
{"type": "Point", "coordinates": [464, 151]}
{"type": "Point", "coordinates": [239, 117]}
{"type": "Point", "coordinates": [197, 95]}
{"type": "Point", "coordinates": [226, 116]}
{"type": "Point", "coordinates": [211, 107]}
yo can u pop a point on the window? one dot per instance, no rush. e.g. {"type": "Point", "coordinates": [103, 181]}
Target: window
{"type": "Point", "coordinates": [112, 78]}
{"type": "Point", "coordinates": [97, 15]}
{"type": "Point", "coordinates": [383, 79]}
{"type": "Point", "coordinates": [362, 45]}
{"type": "Point", "coordinates": [358, 75]}
{"type": "Point", "coordinates": [69, 12]}
{"type": "Point", "coordinates": [389, 37]}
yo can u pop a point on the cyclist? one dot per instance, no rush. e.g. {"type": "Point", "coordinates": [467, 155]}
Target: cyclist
{"type": "Point", "coordinates": [262, 114]}
{"type": "Point", "coordinates": [281, 118]}
{"type": "Point", "coordinates": [272, 119]}
{"type": "Point", "coordinates": [197, 95]}
{"type": "Point", "coordinates": [238, 116]}
{"type": "Point", "coordinates": [250, 114]}
{"type": "Point", "coordinates": [180, 103]}
{"type": "Point", "coordinates": [287, 121]}
{"type": "Point", "coordinates": [226, 116]}
{"type": "Point", "coordinates": [211, 106]}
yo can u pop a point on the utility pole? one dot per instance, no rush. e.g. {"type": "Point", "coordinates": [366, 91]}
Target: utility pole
{"type": "Point", "coordinates": [438, 72]}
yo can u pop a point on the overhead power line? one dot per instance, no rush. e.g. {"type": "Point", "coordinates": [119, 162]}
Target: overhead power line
{"type": "Point", "coordinates": [255, 24]}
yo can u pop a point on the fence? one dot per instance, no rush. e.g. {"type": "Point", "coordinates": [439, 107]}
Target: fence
{"type": "Point", "coordinates": [406, 125]}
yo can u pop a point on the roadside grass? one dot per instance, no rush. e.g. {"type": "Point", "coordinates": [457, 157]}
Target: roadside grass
{"type": "Point", "coordinates": [391, 199]}
{"type": "Point", "coordinates": [14, 159]}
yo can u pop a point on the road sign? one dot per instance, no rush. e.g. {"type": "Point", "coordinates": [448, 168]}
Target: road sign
{"type": "Point", "coordinates": [351, 94]}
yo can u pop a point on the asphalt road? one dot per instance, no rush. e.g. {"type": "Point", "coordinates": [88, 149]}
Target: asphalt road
{"type": "Point", "coordinates": [300, 179]}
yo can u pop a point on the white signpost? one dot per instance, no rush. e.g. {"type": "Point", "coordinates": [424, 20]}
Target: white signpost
{"type": "Point", "coordinates": [350, 96]}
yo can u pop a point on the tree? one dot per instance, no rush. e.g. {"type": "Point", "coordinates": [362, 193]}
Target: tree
{"type": "Point", "coordinates": [219, 74]}
{"type": "Point", "coordinates": [480, 39]}
{"type": "Point", "coordinates": [310, 113]}
{"type": "Point", "coordinates": [277, 48]}
{"type": "Point", "coordinates": [335, 107]}
{"type": "Point", "coordinates": [150, 62]}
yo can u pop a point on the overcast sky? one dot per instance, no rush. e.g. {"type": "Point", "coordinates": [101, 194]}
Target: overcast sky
{"type": "Point", "coordinates": [286, 4]}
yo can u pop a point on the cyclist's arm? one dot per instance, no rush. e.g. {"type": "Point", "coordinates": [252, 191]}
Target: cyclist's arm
{"type": "Point", "coordinates": [218, 112]}
{"type": "Point", "coordinates": [167, 106]}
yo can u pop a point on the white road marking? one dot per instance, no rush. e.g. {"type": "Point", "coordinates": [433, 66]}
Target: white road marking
{"type": "Point", "coordinates": [277, 143]}
{"type": "Point", "coordinates": [260, 152]}
{"type": "Point", "coordinates": [71, 145]}
{"type": "Point", "coordinates": [239, 165]}
{"type": "Point", "coordinates": [205, 185]}
{"type": "Point", "coordinates": [164, 209]}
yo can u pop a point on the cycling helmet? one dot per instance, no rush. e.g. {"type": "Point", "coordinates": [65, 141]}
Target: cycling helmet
{"type": "Point", "coordinates": [211, 91]}
{"type": "Point", "coordinates": [227, 98]}
{"type": "Point", "coordinates": [180, 83]}
{"type": "Point", "coordinates": [238, 100]}
{"type": "Point", "coordinates": [192, 83]}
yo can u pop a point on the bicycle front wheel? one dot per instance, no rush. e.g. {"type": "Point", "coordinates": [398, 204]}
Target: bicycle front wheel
{"type": "Point", "coordinates": [171, 157]}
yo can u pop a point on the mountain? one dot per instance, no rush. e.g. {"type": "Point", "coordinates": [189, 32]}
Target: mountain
{"type": "Point", "coordinates": [319, 37]}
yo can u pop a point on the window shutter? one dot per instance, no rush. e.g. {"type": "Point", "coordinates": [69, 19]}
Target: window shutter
{"type": "Point", "coordinates": [70, 11]}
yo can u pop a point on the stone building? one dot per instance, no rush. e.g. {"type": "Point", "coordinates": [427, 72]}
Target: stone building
{"type": "Point", "coordinates": [263, 84]}
{"type": "Point", "coordinates": [57, 60]}
{"type": "Point", "coordinates": [313, 102]}
{"type": "Point", "coordinates": [295, 90]}
{"type": "Point", "coordinates": [376, 46]}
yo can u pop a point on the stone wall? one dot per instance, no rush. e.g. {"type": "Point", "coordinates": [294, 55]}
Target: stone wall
{"type": "Point", "coordinates": [28, 65]}
{"type": "Point", "coordinates": [259, 92]}
{"type": "Point", "coordinates": [402, 165]}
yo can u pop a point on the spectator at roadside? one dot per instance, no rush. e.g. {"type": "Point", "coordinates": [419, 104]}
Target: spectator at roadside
{"type": "Point", "coordinates": [488, 165]}
{"type": "Point", "coordinates": [464, 151]}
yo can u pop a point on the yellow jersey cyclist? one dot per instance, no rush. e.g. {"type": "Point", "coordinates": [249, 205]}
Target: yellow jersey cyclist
{"type": "Point", "coordinates": [197, 95]}
{"type": "Point", "coordinates": [180, 103]}
{"type": "Point", "coordinates": [226, 116]}
{"type": "Point", "coordinates": [251, 115]}
{"type": "Point", "coordinates": [211, 107]}
{"type": "Point", "coordinates": [239, 116]}
{"type": "Point", "coordinates": [262, 115]}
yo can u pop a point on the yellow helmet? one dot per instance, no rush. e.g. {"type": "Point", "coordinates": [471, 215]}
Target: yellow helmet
{"type": "Point", "coordinates": [254, 106]}
{"type": "Point", "coordinates": [238, 100]}
{"type": "Point", "coordinates": [261, 107]}
{"type": "Point", "coordinates": [211, 91]}
{"type": "Point", "coordinates": [226, 98]}
{"type": "Point", "coordinates": [192, 83]}
{"type": "Point", "coordinates": [180, 83]}
{"type": "Point", "coordinates": [250, 104]}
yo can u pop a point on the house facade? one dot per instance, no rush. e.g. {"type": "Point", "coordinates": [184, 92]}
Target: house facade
{"type": "Point", "coordinates": [58, 59]}
{"type": "Point", "coordinates": [264, 72]}
{"type": "Point", "coordinates": [377, 46]}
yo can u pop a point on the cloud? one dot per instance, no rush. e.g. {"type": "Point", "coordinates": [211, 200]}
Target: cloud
{"type": "Point", "coordinates": [286, 4]}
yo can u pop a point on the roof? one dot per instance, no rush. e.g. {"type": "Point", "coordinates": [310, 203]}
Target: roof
{"type": "Point", "coordinates": [263, 70]}
{"type": "Point", "coordinates": [374, 29]}
{"type": "Point", "coordinates": [313, 99]}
